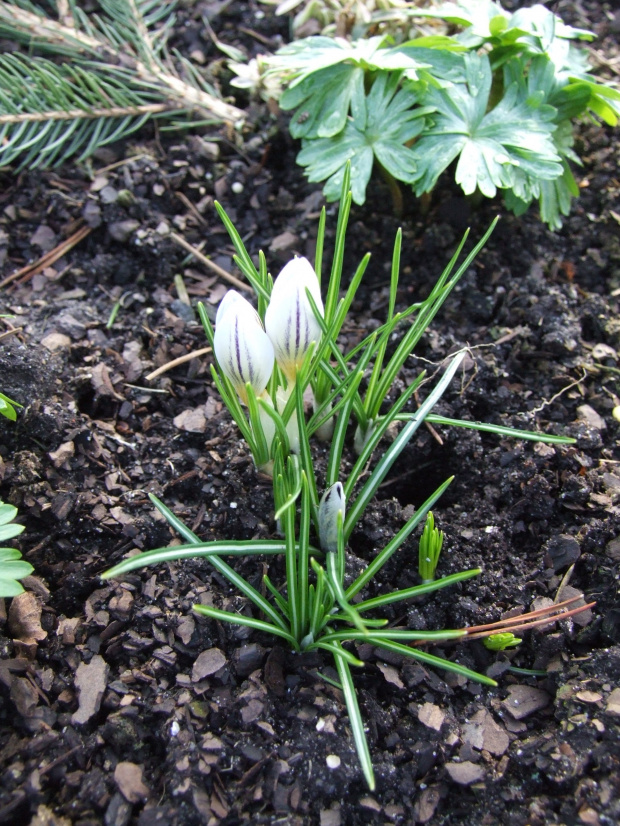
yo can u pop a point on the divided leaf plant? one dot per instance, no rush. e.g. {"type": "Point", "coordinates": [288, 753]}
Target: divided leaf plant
{"type": "Point", "coordinates": [12, 566]}
{"type": "Point", "coordinates": [8, 407]}
{"type": "Point", "coordinates": [498, 99]}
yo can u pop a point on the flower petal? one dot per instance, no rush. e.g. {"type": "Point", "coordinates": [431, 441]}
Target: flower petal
{"type": "Point", "coordinates": [289, 320]}
{"type": "Point", "coordinates": [242, 348]}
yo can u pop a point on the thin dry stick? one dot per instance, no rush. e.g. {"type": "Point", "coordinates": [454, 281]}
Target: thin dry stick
{"type": "Point", "coordinates": [526, 625]}
{"type": "Point", "coordinates": [10, 332]}
{"type": "Point", "coordinates": [176, 362]}
{"type": "Point", "coordinates": [547, 402]}
{"type": "Point", "coordinates": [549, 614]}
{"type": "Point", "coordinates": [49, 258]}
{"type": "Point", "coordinates": [208, 263]}
{"type": "Point", "coordinates": [543, 616]}
{"type": "Point", "coordinates": [192, 208]}
{"type": "Point", "coordinates": [125, 161]}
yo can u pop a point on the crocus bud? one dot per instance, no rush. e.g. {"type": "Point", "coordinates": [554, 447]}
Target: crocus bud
{"type": "Point", "coordinates": [289, 320]}
{"type": "Point", "coordinates": [332, 505]}
{"type": "Point", "coordinates": [242, 348]}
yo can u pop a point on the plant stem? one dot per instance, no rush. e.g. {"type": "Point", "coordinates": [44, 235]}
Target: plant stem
{"type": "Point", "coordinates": [395, 190]}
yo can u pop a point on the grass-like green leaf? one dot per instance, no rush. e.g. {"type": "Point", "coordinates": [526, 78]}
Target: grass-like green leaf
{"type": "Point", "coordinates": [389, 457]}
{"type": "Point", "coordinates": [499, 430]}
{"type": "Point", "coordinates": [431, 659]}
{"type": "Point", "coordinates": [249, 622]}
{"type": "Point", "coordinates": [416, 590]}
{"type": "Point", "coordinates": [355, 716]}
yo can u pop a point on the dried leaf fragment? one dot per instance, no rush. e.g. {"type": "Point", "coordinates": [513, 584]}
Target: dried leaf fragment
{"type": "Point", "coordinates": [25, 618]}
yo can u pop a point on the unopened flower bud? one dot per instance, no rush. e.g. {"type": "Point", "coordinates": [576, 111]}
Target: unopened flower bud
{"type": "Point", "coordinates": [331, 511]}
{"type": "Point", "coordinates": [289, 321]}
{"type": "Point", "coordinates": [242, 348]}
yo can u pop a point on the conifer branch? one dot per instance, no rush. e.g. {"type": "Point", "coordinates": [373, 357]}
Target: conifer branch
{"type": "Point", "coordinates": [110, 74]}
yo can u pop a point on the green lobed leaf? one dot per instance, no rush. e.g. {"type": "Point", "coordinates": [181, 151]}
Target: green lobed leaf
{"type": "Point", "coordinates": [323, 100]}
{"type": "Point", "coordinates": [9, 531]}
{"type": "Point", "coordinates": [12, 566]}
{"type": "Point", "coordinates": [509, 146]}
{"type": "Point", "coordinates": [7, 407]}
{"type": "Point", "coordinates": [385, 122]}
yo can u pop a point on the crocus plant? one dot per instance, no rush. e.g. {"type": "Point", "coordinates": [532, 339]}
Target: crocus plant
{"type": "Point", "coordinates": [267, 363]}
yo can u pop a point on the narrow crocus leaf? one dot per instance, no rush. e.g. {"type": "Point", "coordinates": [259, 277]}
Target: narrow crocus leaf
{"type": "Point", "coordinates": [242, 348]}
{"type": "Point", "coordinates": [289, 321]}
{"type": "Point", "coordinates": [332, 504]}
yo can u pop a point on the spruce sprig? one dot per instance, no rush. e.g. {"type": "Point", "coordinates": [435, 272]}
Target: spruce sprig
{"type": "Point", "coordinates": [88, 80]}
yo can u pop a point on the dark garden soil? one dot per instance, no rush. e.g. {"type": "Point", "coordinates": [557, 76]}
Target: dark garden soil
{"type": "Point", "coordinates": [117, 704]}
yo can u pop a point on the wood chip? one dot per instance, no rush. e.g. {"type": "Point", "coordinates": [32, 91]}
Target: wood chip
{"type": "Point", "coordinates": [24, 695]}
{"type": "Point", "coordinates": [91, 681]}
{"type": "Point", "coordinates": [369, 802]}
{"type": "Point", "coordinates": [613, 702]}
{"type": "Point", "coordinates": [391, 674]}
{"type": "Point", "coordinates": [185, 630]}
{"type": "Point", "coordinates": [207, 663]}
{"type": "Point", "coordinates": [524, 700]}
{"type": "Point", "coordinates": [191, 421]}
{"type": "Point", "coordinates": [426, 804]}
{"type": "Point", "coordinates": [465, 773]}
{"type": "Point", "coordinates": [128, 778]}
{"type": "Point", "coordinates": [46, 817]}
{"type": "Point", "coordinates": [102, 384]}
{"type": "Point", "coordinates": [64, 452]}
{"type": "Point", "coordinates": [285, 241]}
{"type": "Point", "coordinates": [56, 341]}
{"type": "Point", "coordinates": [589, 696]}
{"type": "Point", "coordinates": [431, 716]}
{"type": "Point", "coordinates": [589, 415]}
{"type": "Point", "coordinates": [211, 743]}
{"type": "Point", "coordinates": [330, 817]}
{"type": "Point", "coordinates": [25, 618]}
{"type": "Point", "coordinates": [252, 711]}
{"type": "Point", "coordinates": [482, 732]}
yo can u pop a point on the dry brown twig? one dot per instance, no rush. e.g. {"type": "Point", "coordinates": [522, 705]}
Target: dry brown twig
{"type": "Point", "coordinates": [176, 362]}
{"type": "Point", "coordinates": [178, 239]}
{"type": "Point", "coordinates": [48, 259]}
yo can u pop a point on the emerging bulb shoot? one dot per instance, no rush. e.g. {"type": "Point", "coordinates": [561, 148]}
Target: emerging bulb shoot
{"type": "Point", "coordinates": [331, 512]}
{"type": "Point", "coordinates": [431, 543]}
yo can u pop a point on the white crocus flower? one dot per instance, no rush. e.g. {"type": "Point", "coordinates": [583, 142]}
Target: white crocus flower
{"type": "Point", "coordinates": [331, 506]}
{"type": "Point", "coordinates": [242, 348]}
{"type": "Point", "coordinates": [289, 320]}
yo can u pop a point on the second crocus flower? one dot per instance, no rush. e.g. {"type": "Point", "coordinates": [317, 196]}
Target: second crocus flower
{"type": "Point", "coordinates": [242, 348]}
{"type": "Point", "coordinates": [289, 321]}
